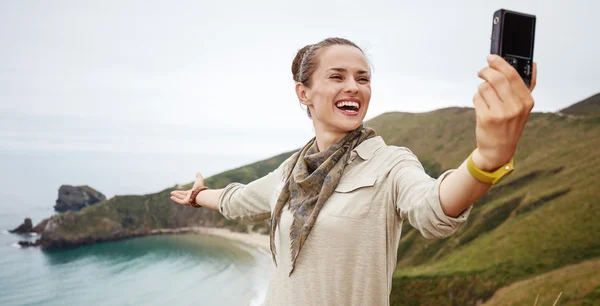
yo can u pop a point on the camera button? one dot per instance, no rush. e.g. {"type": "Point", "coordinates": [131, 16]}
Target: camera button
{"type": "Point", "coordinates": [527, 70]}
{"type": "Point", "coordinates": [512, 61]}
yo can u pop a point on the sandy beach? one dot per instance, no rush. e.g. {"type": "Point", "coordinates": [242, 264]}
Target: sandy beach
{"type": "Point", "coordinates": [258, 241]}
{"type": "Point", "coordinates": [253, 239]}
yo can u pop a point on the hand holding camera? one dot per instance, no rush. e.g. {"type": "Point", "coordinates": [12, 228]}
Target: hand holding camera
{"type": "Point", "coordinates": [502, 106]}
{"type": "Point", "coordinates": [503, 101]}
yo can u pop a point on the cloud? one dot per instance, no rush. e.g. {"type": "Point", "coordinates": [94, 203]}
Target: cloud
{"type": "Point", "coordinates": [196, 76]}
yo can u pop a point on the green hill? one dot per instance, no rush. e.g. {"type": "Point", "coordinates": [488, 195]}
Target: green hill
{"type": "Point", "coordinates": [579, 284]}
{"type": "Point", "coordinates": [589, 107]}
{"type": "Point", "coordinates": [539, 219]}
{"type": "Point", "coordinates": [138, 215]}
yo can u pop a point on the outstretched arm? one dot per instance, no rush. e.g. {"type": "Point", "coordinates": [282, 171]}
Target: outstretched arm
{"type": "Point", "coordinates": [246, 203]}
{"type": "Point", "coordinates": [502, 106]}
{"type": "Point", "coordinates": [207, 198]}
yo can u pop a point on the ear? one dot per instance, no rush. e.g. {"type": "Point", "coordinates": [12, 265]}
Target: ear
{"type": "Point", "coordinates": [301, 92]}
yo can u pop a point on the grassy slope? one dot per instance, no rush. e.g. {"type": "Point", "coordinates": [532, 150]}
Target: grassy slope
{"type": "Point", "coordinates": [128, 215]}
{"type": "Point", "coordinates": [579, 284]}
{"type": "Point", "coordinates": [587, 107]}
{"type": "Point", "coordinates": [540, 218]}
{"type": "Point", "coordinates": [554, 184]}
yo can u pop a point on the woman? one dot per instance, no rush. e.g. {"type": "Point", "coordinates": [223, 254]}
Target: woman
{"type": "Point", "coordinates": [337, 205]}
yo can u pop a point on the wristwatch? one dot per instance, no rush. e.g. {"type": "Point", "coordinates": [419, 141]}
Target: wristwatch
{"type": "Point", "coordinates": [489, 177]}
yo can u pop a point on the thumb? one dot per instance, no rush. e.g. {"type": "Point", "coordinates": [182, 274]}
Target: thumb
{"type": "Point", "coordinates": [199, 180]}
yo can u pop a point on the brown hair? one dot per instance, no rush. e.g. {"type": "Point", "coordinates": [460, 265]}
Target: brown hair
{"type": "Point", "coordinates": [305, 62]}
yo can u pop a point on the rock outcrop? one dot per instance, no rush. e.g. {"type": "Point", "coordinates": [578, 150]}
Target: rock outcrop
{"type": "Point", "coordinates": [59, 232]}
{"type": "Point", "coordinates": [76, 197]}
{"type": "Point", "coordinates": [26, 227]}
{"type": "Point", "coordinates": [40, 227]}
{"type": "Point", "coordinates": [37, 242]}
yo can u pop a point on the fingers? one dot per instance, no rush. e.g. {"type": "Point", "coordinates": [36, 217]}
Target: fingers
{"type": "Point", "coordinates": [520, 101]}
{"type": "Point", "coordinates": [179, 201]}
{"type": "Point", "coordinates": [498, 63]}
{"type": "Point", "coordinates": [515, 80]}
{"type": "Point", "coordinates": [487, 92]}
{"type": "Point", "coordinates": [499, 83]}
{"type": "Point", "coordinates": [180, 197]}
{"type": "Point", "coordinates": [481, 108]}
{"type": "Point", "coordinates": [179, 193]}
{"type": "Point", "coordinates": [199, 180]}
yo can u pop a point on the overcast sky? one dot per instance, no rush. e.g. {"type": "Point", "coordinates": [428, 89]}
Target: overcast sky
{"type": "Point", "coordinates": [214, 76]}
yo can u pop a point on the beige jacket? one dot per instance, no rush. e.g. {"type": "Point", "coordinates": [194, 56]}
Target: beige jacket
{"type": "Point", "coordinates": [350, 255]}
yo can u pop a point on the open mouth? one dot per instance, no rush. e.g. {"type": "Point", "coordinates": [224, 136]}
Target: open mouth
{"type": "Point", "coordinates": [348, 107]}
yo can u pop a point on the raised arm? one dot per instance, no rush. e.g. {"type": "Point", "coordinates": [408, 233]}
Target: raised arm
{"type": "Point", "coordinates": [502, 106]}
{"type": "Point", "coordinates": [460, 189]}
{"type": "Point", "coordinates": [416, 197]}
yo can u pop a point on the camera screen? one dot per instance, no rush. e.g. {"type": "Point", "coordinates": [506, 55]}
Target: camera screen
{"type": "Point", "coordinates": [517, 34]}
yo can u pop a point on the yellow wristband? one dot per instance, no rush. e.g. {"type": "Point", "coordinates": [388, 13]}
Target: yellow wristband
{"type": "Point", "coordinates": [489, 177]}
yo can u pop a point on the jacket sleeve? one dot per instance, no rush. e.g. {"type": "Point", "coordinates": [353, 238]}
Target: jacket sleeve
{"type": "Point", "coordinates": [417, 197]}
{"type": "Point", "coordinates": [250, 203]}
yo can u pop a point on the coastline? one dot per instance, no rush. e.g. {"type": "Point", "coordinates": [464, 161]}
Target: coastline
{"type": "Point", "coordinates": [259, 241]}
{"type": "Point", "coordinates": [256, 240]}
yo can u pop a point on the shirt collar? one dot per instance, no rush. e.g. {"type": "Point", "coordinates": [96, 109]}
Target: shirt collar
{"type": "Point", "coordinates": [367, 148]}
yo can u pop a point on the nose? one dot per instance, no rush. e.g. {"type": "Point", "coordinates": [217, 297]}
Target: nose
{"type": "Point", "coordinates": [351, 86]}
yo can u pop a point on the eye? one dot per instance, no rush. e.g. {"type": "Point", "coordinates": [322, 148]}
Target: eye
{"type": "Point", "coordinates": [364, 80]}
{"type": "Point", "coordinates": [336, 76]}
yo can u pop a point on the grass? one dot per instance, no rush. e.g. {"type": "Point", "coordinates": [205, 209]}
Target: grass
{"type": "Point", "coordinates": [131, 215]}
{"type": "Point", "coordinates": [537, 220]}
{"type": "Point", "coordinates": [588, 107]}
{"type": "Point", "coordinates": [576, 282]}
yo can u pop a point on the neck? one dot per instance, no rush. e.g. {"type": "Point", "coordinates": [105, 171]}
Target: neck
{"type": "Point", "coordinates": [326, 137]}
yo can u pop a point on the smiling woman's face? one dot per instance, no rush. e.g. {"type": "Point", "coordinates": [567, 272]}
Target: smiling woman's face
{"type": "Point", "coordinates": [340, 88]}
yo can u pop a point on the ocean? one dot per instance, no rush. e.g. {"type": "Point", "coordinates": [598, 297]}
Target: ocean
{"type": "Point", "coordinates": [183, 269]}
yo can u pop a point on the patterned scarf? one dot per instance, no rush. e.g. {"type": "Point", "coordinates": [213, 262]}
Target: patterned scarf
{"type": "Point", "coordinates": [312, 179]}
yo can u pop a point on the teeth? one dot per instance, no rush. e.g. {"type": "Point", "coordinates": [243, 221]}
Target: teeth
{"type": "Point", "coordinates": [346, 103]}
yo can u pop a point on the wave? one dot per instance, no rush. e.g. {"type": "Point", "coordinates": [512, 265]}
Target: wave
{"type": "Point", "coordinates": [32, 234]}
{"type": "Point", "coordinates": [16, 245]}
{"type": "Point", "coordinates": [259, 279]}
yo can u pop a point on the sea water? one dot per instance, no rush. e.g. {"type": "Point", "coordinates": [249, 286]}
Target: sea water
{"type": "Point", "coordinates": [183, 269]}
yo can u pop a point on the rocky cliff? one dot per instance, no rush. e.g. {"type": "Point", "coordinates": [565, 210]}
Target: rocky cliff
{"type": "Point", "coordinates": [76, 197]}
